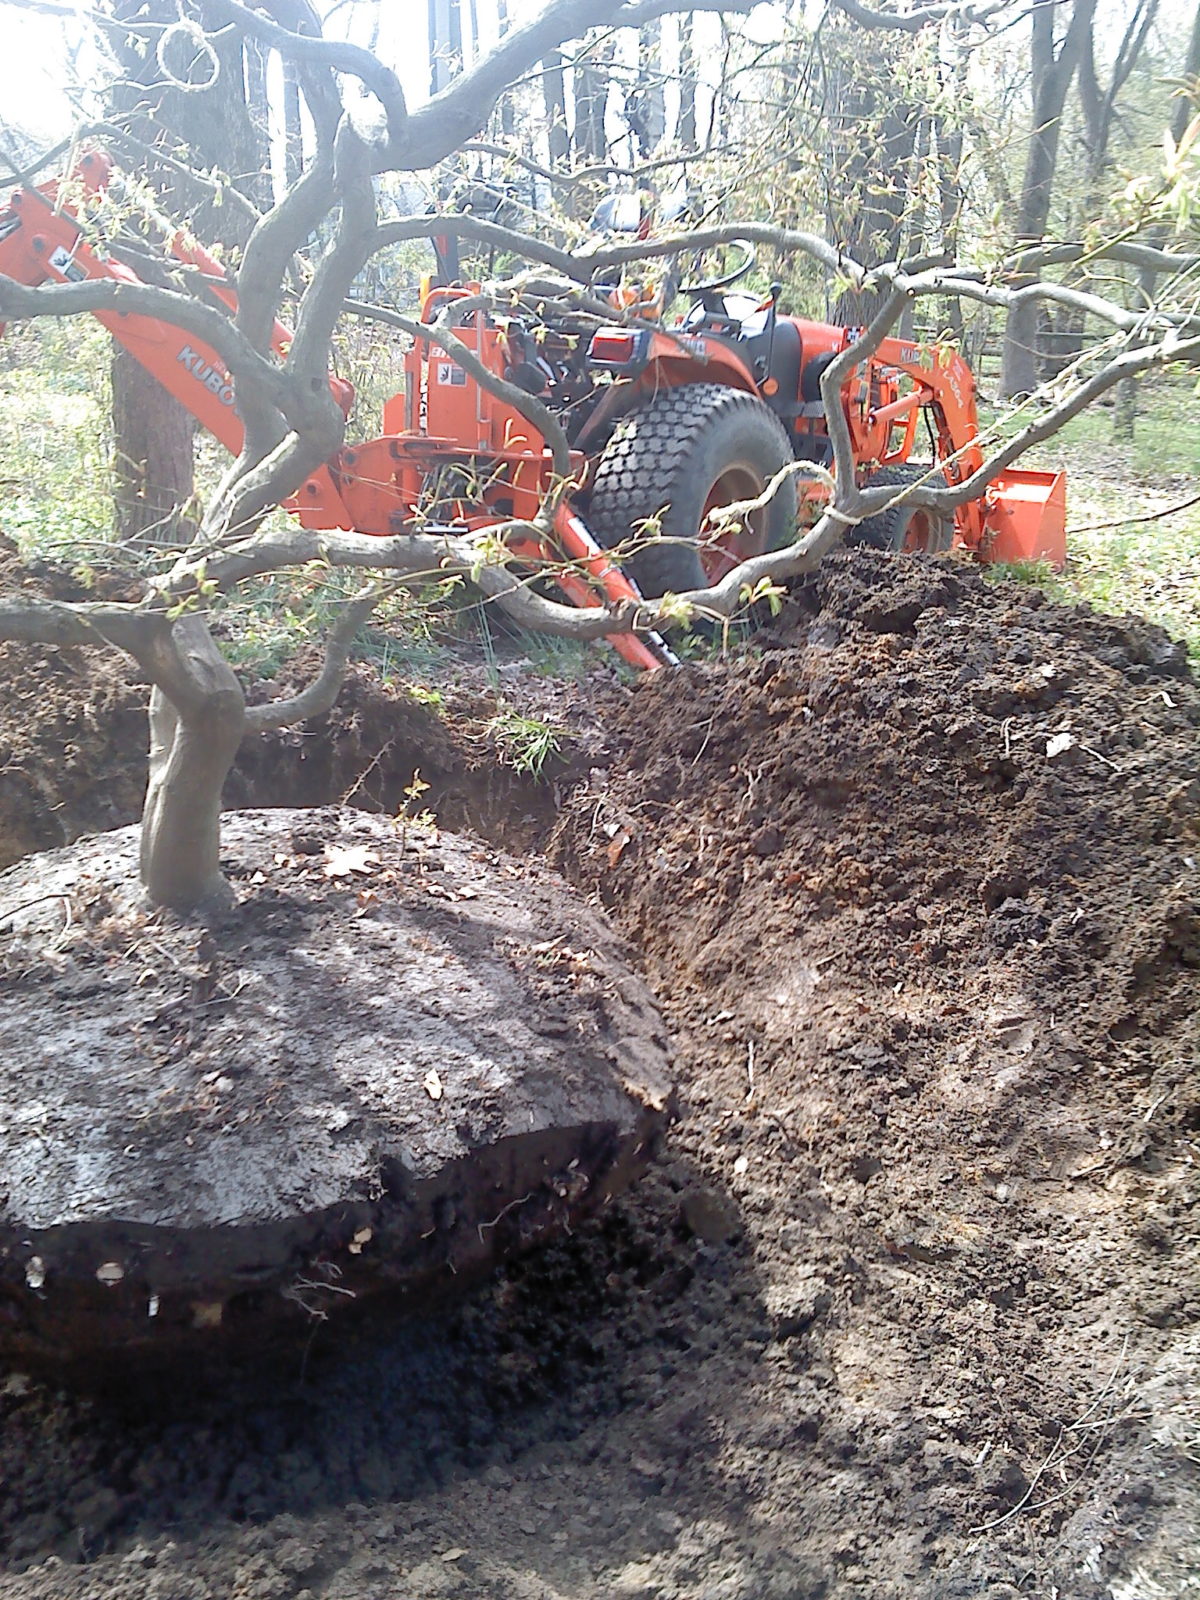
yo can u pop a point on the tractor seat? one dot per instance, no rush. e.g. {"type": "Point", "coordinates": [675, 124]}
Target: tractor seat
{"type": "Point", "coordinates": [811, 442]}
{"type": "Point", "coordinates": [775, 353]}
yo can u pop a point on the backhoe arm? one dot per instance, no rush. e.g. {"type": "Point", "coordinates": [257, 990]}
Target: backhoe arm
{"type": "Point", "coordinates": [41, 242]}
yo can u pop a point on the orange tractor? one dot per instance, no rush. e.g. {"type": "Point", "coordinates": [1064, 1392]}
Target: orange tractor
{"type": "Point", "coordinates": [665, 424]}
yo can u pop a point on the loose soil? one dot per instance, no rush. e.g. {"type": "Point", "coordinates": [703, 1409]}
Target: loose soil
{"type": "Point", "coordinates": [910, 1305]}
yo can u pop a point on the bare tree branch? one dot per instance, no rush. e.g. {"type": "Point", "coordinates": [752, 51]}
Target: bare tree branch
{"type": "Point", "coordinates": [923, 17]}
{"type": "Point", "coordinates": [19, 302]}
{"type": "Point", "coordinates": [1128, 251]}
{"type": "Point", "coordinates": [147, 636]}
{"type": "Point", "coordinates": [590, 174]}
{"type": "Point", "coordinates": [461, 110]}
{"type": "Point", "coordinates": [460, 226]}
{"type": "Point", "coordinates": [596, 258]}
{"type": "Point", "coordinates": [334, 55]}
{"type": "Point", "coordinates": [319, 696]}
{"type": "Point", "coordinates": [582, 265]}
{"type": "Point", "coordinates": [439, 333]}
{"type": "Point", "coordinates": [322, 304]}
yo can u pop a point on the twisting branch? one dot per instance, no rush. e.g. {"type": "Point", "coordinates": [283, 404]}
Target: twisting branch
{"type": "Point", "coordinates": [850, 504]}
{"type": "Point", "coordinates": [148, 636]}
{"type": "Point", "coordinates": [1129, 251]}
{"type": "Point", "coordinates": [457, 225]}
{"type": "Point", "coordinates": [1126, 365]}
{"type": "Point", "coordinates": [272, 245]}
{"type": "Point", "coordinates": [320, 694]}
{"type": "Point", "coordinates": [461, 110]}
{"type": "Point", "coordinates": [595, 172]}
{"type": "Point", "coordinates": [583, 264]}
{"type": "Point", "coordinates": [333, 55]}
{"type": "Point", "coordinates": [322, 304]}
{"type": "Point", "coordinates": [595, 258]}
{"type": "Point", "coordinates": [440, 333]}
{"type": "Point", "coordinates": [921, 18]}
{"type": "Point", "coordinates": [19, 302]}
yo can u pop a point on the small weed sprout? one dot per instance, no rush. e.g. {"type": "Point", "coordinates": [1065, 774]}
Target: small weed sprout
{"type": "Point", "coordinates": [422, 820]}
{"type": "Point", "coordinates": [425, 696]}
{"type": "Point", "coordinates": [764, 590]}
{"type": "Point", "coordinates": [675, 612]}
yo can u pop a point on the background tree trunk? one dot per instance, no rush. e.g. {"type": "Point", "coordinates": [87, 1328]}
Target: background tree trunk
{"type": "Point", "coordinates": [591, 102]}
{"type": "Point", "coordinates": [873, 142]}
{"type": "Point", "coordinates": [217, 128]}
{"type": "Point", "coordinates": [645, 104]}
{"type": "Point", "coordinates": [1052, 72]}
{"type": "Point", "coordinates": [1125, 415]}
{"type": "Point", "coordinates": [688, 83]}
{"type": "Point", "coordinates": [1098, 106]}
{"type": "Point", "coordinates": [554, 95]}
{"type": "Point", "coordinates": [445, 43]}
{"type": "Point", "coordinates": [153, 442]}
{"type": "Point", "coordinates": [507, 109]}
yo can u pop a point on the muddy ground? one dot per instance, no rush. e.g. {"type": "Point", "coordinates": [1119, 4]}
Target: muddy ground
{"type": "Point", "coordinates": [911, 1307]}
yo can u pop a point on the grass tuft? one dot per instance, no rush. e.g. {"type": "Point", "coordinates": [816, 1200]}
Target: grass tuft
{"type": "Point", "coordinates": [524, 743]}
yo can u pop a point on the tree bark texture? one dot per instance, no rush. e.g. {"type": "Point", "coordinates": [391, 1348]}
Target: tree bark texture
{"type": "Point", "coordinates": [1053, 68]}
{"type": "Point", "coordinates": [191, 750]}
{"type": "Point", "coordinates": [152, 458]}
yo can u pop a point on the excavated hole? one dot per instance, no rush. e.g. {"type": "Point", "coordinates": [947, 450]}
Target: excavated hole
{"type": "Point", "coordinates": [388, 754]}
{"type": "Point", "coordinates": [500, 806]}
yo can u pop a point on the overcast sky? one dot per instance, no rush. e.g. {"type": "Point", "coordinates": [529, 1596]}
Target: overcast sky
{"type": "Point", "coordinates": [36, 52]}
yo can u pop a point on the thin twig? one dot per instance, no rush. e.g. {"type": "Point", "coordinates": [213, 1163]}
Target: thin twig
{"type": "Point", "coordinates": [26, 904]}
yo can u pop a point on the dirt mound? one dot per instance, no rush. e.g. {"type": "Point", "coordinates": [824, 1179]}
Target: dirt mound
{"type": "Point", "coordinates": [920, 887]}
{"type": "Point", "coordinates": [73, 742]}
{"type": "Point", "coordinates": [910, 1307]}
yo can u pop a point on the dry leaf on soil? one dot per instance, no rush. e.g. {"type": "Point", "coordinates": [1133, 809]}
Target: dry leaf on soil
{"type": "Point", "coordinates": [344, 861]}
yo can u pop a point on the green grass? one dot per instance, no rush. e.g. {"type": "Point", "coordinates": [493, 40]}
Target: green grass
{"type": "Point", "coordinates": [55, 440]}
{"type": "Point", "coordinates": [524, 743]}
{"type": "Point", "coordinates": [1133, 538]}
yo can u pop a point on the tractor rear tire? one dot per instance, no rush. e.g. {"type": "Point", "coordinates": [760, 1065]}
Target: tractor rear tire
{"type": "Point", "coordinates": [675, 458]}
{"type": "Point", "coordinates": [906, 528]}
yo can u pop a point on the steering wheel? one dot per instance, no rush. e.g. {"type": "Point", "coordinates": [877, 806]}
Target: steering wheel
{"type": "Point", "coordinates": [745, 265]}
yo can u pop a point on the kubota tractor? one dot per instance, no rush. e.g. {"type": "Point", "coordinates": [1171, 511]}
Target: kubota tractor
{"type": "Point", "coordinates": [665, 424]}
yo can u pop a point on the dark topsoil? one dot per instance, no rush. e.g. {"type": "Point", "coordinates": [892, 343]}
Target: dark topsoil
{"type": "Point", "coordinates": [911, 1306]}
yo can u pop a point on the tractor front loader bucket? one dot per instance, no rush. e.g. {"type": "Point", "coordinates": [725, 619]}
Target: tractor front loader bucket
{"type": "Point", "coordinates": [1025, 517]}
